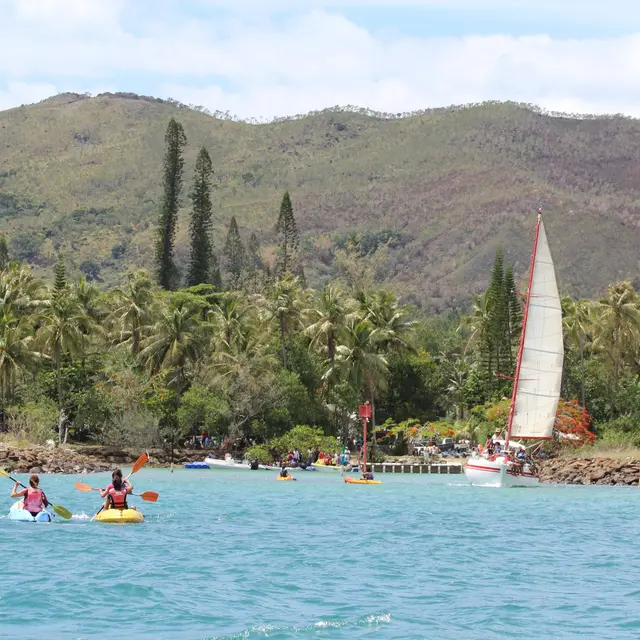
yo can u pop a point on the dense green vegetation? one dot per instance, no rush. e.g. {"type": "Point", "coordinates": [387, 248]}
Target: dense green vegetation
{"type": "Point", "coordinates": [431, 195]}
{"type": "Point", "coordinates": [139, 365]}
{"type": "Point", "coordinates": [249, 354]}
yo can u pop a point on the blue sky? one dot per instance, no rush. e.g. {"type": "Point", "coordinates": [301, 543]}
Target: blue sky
{"type": "Point", "coordinates": [281, 57]}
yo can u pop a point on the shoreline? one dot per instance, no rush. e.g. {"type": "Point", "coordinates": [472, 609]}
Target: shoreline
{"type": "Point", "coordinates": [84, 459]}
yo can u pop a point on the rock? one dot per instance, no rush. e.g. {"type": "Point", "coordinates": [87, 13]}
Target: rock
{"type": "Point", "coordinates": [35, 470]}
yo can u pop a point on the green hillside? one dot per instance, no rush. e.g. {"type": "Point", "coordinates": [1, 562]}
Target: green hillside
{"type": "Point", "coordinates": [444, 188]}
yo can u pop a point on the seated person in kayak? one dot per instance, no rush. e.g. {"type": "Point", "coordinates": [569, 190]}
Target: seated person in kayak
{"type": "Point", "coordinates": [367, 475]}
{"type": "Point", "coordinates": [34, 497]}
{"type": "Point", "coordinates": [116, 493]}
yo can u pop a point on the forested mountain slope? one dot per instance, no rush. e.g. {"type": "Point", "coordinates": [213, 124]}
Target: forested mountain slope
{"type": "Point", "coordinates": [437, 192]}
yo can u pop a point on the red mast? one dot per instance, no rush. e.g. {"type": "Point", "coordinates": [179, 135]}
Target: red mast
{"type": "Point", "coordinates": [524, 330]}
{"type": "Point", "coordinates": [365, 414]}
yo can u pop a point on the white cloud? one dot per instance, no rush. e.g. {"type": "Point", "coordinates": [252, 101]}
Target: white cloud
{"type": "Point", "coordinates": [252, 65]}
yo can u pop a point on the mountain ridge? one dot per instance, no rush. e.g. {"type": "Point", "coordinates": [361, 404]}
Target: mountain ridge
{"type": "Point", "coordinates": [445, 186]}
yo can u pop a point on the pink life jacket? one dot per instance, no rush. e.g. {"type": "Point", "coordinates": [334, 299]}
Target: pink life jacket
{"type": "Point", "coordinates": [118, 498]}
{"type": "Point", "coordinates": [33, 500]}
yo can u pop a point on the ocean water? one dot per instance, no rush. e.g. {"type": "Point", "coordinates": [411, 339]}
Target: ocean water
{"type": "Point", "coordinates": [228, 554]}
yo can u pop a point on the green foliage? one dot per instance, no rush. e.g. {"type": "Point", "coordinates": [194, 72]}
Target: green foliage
{"type": "Point", "coordinates": [33, 421]}
{"type": "Point", "coordinates": [259, 452]}
{"type": "Point", "coordinates": [175, 141]}
{"type": "Point", "coordinates": [289, 240]}
{"type": "Point", "coordinates": [4, 252]}
{"type": "Point", "coordinates": [234, 256]}
{"type": "Point", "coordinates": [305, 438]}
{"type": "Point", "coordinates": [59, 276]}
{"type": "Point", "coordinates": [200, 264]}
{"type": "Point", "coordinates": [202, 412]}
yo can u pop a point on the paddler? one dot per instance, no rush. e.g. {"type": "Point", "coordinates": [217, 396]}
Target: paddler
{"type": "Point", "coordinates": [34, 497]}
{"type": "Point", "coordinates": [367, 475]}
{"type": "Point", "coordinates": [116, 492]}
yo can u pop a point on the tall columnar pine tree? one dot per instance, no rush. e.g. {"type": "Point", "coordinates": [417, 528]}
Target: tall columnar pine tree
{"type": "Point", "coordinates": [287, 230]}
{"type": "Point", "coordinates": [200, 264]}
{"type": "Point", "coordinates": [234, 256]}
{"type": "Point", "coordinates": [216, 278]}
{"type": "Point", "coordinates": [255, 264]}
{"type": "Point", "coordinates": [504, 319]}
{"type": "Point", "coordinates": [59, 277]}
{"type": "Point", "coordinates": [514, 304]}
{"type": "Point", "coordinates": [4, 252]}
{"type": "Point", "coordinates": [175, 141]}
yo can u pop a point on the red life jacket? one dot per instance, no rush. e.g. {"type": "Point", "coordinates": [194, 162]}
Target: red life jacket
{"type": "Point", "coordinates": [118, 498]}
{"type": "Point", "coordinates": [33, 500]}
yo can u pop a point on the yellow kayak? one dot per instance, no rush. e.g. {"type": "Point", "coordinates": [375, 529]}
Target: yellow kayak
{"type": "Point", "coordinates": [284, 478]}
{"type": "Point", "coordinates": [361, 481]}
{"type": "Point", "coordinates": [119, 515]}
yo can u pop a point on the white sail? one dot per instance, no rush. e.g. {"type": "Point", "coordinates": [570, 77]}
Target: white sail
{"type": "Point", "coordinates": [540, 375]}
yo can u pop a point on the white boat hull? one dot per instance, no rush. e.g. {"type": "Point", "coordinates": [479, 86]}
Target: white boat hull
{"type": "Point", "coordinates": [214, 463]}
{"type": "Point", "coordinates": [499, 473]}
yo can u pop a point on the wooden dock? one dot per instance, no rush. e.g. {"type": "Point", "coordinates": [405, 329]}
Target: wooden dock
{"type": "Point", "coordinates": [394, 467]}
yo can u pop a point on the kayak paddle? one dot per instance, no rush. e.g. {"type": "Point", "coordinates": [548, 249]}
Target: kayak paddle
{"type": "Point", "coordinates": [60, 510]}
{"type": "Point", "coordinates": [137, 465]}
{"type": "Point", "coordinates": [150, 496]}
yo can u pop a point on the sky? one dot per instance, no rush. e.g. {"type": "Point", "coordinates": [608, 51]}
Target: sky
{"type": "Point", "coordinates": [267, 58]}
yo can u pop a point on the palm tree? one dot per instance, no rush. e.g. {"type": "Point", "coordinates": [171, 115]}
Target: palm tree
{"type": "Point", "coordinates": [390, 319]}
{"type": "Point", "coordinates": [133, 312]}
{"type": "Point", "coordinates": [457, 369]}
{"type": "Point", "coordinates": [359, 361]}
{"type": "Point", "coordinates": [21, 293]}
{"type": "Point", "coordinates": [17, 354]}
{"type": "Point", "coordinates": [329, 316]}
{"type": "Point", "coordinates": [477, 323]}
{"type": "Point", "coordinates": [578, 320]}
{"type": "Point", "coordinates": [231, 320]}
{"type": "Point", "coordinates": [286, 305]}
{"type": "Point", "coordinates": [63, 327]}
{"type": "Point", "coordinates": [177, 339]}
{"type": "Point", "coordinates": [618, 322]}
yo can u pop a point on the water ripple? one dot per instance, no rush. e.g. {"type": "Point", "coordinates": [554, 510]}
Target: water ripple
{"type": "Point", "coordinates": [237, 555]}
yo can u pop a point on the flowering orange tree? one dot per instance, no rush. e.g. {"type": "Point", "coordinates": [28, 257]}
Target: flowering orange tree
{"type": "Point", "coordinates": [573, 422]}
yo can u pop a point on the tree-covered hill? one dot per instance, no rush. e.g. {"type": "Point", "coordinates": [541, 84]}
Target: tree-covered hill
{"type": "Point", "coordinates": [435, 193]}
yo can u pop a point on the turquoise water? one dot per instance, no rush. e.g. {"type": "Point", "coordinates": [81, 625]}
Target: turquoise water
{"type": "Point", "coordinates": [228, 554]}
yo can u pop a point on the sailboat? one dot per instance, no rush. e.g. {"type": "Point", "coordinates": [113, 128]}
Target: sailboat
{"type": "Point", "coordinates": [538, 377]}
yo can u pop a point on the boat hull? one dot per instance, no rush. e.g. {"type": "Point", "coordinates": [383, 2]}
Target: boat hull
{"type": "Point", "coordinates": [361, 481]}
{"type": "Point", "coordinates": [22, 515]}
{"type": "Point", "coordinates": [499, 473]}
{"type": "Point", "coordinates": [119, 516]}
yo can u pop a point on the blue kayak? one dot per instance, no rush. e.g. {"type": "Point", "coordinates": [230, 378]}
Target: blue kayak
{"type": "Point", "coordinates": [22, 515]}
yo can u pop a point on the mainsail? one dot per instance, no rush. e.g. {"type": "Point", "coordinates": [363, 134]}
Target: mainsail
{"type": "Point", "coordinates": [539, 374]}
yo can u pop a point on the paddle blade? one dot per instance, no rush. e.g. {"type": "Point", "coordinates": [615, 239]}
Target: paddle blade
{"type": "Point", "coordinates": [61, 511]}
{"type": "Point", "coordinates": [149, 496]}
{"type": "Point", "coordinates": [4, 473]}
{"type": "Point", "coordinates": [139, 463]}
{"type": "Point", "coordinates": [81, 486]}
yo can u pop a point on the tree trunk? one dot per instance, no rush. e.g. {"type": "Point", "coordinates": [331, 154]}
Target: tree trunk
{"type": "Point", "coordinates": [582, 393]}
{"type": "Point", "coordinates": [282, 338]}
{"type": "Point", "coordinates": [59, 385]}
{"type": "Point", "coordinates": [373, 421]}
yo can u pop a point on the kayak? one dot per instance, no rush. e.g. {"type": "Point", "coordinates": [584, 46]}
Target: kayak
{"type": "Point", "coordinates": [361, 481]}
{"type": "Point", "coordinates": [119, 515]}
{"type": "Point", "coordinates": [22, 515]}
{"type": "Point", "coordinates": [284, 478]}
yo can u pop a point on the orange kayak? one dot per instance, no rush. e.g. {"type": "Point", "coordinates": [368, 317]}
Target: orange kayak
{"type": "Point", "coordinates": [361, 481]}
{"type": "Point", "coordinates": [284, 478]}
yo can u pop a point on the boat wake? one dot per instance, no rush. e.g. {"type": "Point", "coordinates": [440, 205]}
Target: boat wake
{"type": "Point", "coordinates": [266, 631]}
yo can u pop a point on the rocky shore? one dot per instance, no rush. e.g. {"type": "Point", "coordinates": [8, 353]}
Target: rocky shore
{"type": "Point", "coordinates": [82, 459]}
{"type": "Point", "coordinates": [602, 471]}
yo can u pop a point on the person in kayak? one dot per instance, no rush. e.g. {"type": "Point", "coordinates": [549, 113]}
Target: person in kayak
{"type": "Point", "coordinates": [116, 493]}
{"type": "Point", "coordinates": [284, 473]}
{"type": "Point", "coordinates": [34, 497]}
{"type": "Point", "coordinates": [367, 475]}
